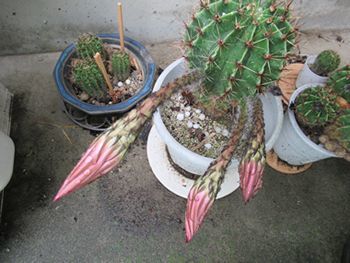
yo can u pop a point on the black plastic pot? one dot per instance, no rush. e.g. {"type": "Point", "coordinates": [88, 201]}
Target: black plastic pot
{"type": "Point", "coordinates": [96, 117]}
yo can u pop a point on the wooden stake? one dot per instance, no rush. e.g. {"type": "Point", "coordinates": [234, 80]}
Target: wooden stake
{"type": "Point", "coordinates": [121, 26]}
{"type": "Point", "coordinates": [101, 66]}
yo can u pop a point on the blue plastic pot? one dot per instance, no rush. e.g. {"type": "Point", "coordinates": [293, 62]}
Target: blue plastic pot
{"type": "Point", "coordinates": [71, 101]}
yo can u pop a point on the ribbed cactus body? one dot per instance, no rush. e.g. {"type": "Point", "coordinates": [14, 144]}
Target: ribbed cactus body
{"type": "Point", "coordinates": [89, 78]}
{"type": "Point", "coordinates": [326, 62]}
{"type": "Point", "coordinates": [88, 45]}
{"type": "Point", "coordinates": [316, 107]}
{"type": "Point", "coordinates": [339, 81]}
{"type": "Point", "coordinates": [344, 129]}
{"type": "Point", "coordinates": [240, 45]}
{"type": "Point", "coordinates": [121, 65]}
{"type": "Point", "coordinates": [340, 130]}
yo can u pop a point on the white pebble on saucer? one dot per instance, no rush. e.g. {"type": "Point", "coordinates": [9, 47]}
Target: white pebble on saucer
{"type": "Point", "coordinates": [180, 117]}
{"type": "Point", "coordinates": [128, 82]}
{"type": "Point", "coordinates": [217, 129]}
{"type": "Point", "coordinates": [225, 132]}
{"type": "Point", "coordinates": [207, 145]}
{"type": "Point", "coordinates": [120, 84]}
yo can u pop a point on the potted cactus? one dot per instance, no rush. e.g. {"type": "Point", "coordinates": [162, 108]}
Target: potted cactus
{"type": "Point", "coordinates": [316, 124]}
{"type": "Point", "coordinates": [95, 94]}
{"type": "Point", "coordinates": [317, 68]}
{"type": "Point", "coordinates": [235, 51]}
{"type": "Point", "coordinates": [102, 76]}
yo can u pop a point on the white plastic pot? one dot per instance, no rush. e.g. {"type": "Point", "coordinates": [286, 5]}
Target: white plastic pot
{"type": "Point", "coordinates": [193, 162]}
{"type": "Point", "coordinates": [307, 76]}
{"type": "Point", "coordinates": [7, 153]}
{"type": "Point", "coordinates": [293, 146]}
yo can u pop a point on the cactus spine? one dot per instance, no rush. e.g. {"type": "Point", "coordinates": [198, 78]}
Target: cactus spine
{"type": "Point", "coordinates": [88, 45]}
{"type": "Point", "coordinates": [89, 78]}
{"type": "Point", "coordinates": [240, 45]}
{"type": "Point", "coordinates": [121, 65]}
{"type": "Point", "coordinates": [326, 62]}
{"type": "Point", "coordinates": [316, 107]}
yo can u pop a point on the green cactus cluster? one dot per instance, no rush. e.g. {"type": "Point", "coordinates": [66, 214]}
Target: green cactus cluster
{"type": "Point", "coordinates": [121, 65]}
{"type": "Point", "coordinates": [241, 46]}
{"type": "Point", "coordinates": [88, 45]}
{"type": "Point", "coordinates": [339, 81]}
{"type": "Point", "coordinates": [326, 62]}
{"type": "Point", "coordinates": [89, 78]}
{"type": "Point", "coordinates": [316, 107]}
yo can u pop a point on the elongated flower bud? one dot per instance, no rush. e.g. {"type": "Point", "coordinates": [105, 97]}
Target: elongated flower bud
{"type": "Point", "coordinates": [107, 150]}
{"type": "Point", "coordinates": [205, 189]}
{"type": "Point", "coordinates": [252, 164]}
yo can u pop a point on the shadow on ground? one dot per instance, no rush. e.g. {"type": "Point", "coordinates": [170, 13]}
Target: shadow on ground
{"type": "Point", "coordinates": [129, 216]}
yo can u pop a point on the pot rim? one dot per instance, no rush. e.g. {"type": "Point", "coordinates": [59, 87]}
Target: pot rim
{"type": "Point", "coordinates": [133, 46]}
{"type": "Point", "coordinates": [169, 139]}
{"type": "Point", "coordinates": [310, 60]}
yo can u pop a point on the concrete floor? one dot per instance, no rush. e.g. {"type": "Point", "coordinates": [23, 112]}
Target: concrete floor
{"type": "Point", "coordinates": [128, 216]}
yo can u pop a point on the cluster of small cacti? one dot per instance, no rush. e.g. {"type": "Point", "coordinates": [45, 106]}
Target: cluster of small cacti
{"type": "Point", "coordinates": [337, 135]}
{"type": "Point", "coordinates": [89, 78]}
{"type": "Point", "coordinates": [88, 45]}
{"type": "Point", "coordinates": [121, 65]}
{"type": "Point", "coordinates": [326, 62]}
{"type": "Point", "coordinates": [328, 108]}
{"type": "Point", "coordinates": [87, 75]}
{"type": "Point", "coordinates": [241, 46]}
{"type": "Point", "coordinates": [316, 107]}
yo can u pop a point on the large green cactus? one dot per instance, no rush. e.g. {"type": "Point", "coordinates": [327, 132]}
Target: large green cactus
{"type": "Point", "coordinates": [316, 107]}
{"type": "Point", "coordinates": [241, 45]}
{"type": "Point", "coordinates": [339, 81]}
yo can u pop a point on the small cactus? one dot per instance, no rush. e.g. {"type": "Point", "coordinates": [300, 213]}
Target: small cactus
{"type": "Point", "coordinates": [343, 123]}
{"type": "Point", "coordinates": [89, 78]}
{"type": "Point", "coordinates": [337, 136]}
{"type": "Point", "coordinates": [88, 45]}
{"type": "Point", "coordinates": [316, 107]}
{"type": "Point", "coordinates": [339, 81]}
{"type": "Point", "coordinates": [121, 65]}
{"type": "Point", "coordinates": [326, 62]}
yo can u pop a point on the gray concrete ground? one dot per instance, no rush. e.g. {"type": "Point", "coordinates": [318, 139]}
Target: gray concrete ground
{"type": "Point", "coordinates": [128, 216]}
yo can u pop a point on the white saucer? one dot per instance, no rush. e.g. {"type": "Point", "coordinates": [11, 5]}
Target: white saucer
{"type": "Point", "coordinates": [174, 181]}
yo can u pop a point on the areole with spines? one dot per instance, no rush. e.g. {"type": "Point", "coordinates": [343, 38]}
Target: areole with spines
{"type": "Point", "coordinates": [240, 45]}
